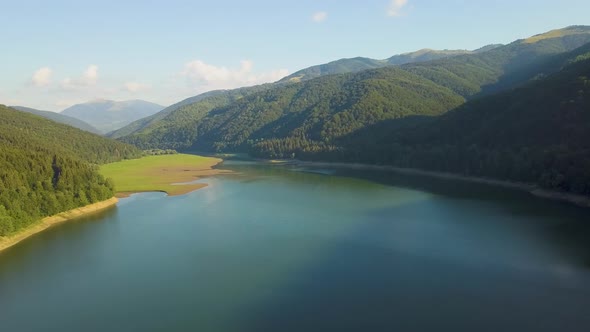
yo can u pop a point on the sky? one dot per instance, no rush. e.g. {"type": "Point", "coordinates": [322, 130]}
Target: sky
{"type": "Point", "coordinates": [63, 52]}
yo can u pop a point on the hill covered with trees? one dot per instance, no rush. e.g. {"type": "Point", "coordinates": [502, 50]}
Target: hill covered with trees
{"type": "Point", "coordinates": [174, 126]}
{"type": "Point", "coordinates": [537, 133]}
{"type": "Point", "coordinates": [313, 116]}
{"type": "Point", "coordinates": [47, 168]}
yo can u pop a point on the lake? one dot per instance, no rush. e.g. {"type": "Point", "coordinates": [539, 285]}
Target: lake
{"type": "Point", "coordinates": [282, 248]}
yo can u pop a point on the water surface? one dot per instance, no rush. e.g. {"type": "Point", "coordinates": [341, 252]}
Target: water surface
{"type": "Point", "coordinates": [279, 249]}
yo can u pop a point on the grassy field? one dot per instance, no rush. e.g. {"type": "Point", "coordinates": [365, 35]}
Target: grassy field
{"type": "Point", "coordinates": [160, 173]}
{"type": "Point", "coordinates": [554, 34]}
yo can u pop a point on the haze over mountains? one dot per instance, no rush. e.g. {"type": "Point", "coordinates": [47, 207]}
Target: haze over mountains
{"type": "Point", "coordinates": [109, 115]}
{"type": "Point", "coordinates": [60, 118]}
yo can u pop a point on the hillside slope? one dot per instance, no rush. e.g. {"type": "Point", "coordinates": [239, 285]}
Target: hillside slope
{"type": "Point", "coordinates": [538, 133]}
{"type": "Point", "coordinates": [184, 113]}
{"type": "Point", "coordinates": [47, 168]}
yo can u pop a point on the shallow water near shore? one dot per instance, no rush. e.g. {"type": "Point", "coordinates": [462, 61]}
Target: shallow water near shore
{"type": "Point", "coordinates": [275, 248]}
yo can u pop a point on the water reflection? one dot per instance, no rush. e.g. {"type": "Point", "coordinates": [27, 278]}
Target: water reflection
{"type": "Point", "coordinates": [272, 248]}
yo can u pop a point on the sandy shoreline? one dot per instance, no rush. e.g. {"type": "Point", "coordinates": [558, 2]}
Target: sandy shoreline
{"type": "Point", "coordinates": [45, 223]}
{"type": "Point", "coordinates": [533, 189]}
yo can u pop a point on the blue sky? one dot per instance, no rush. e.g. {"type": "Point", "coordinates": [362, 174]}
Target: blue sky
{"type": "Point", "coordinates": [57, 53]}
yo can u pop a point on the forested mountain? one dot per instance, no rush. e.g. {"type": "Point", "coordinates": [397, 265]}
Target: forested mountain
{"type": "Point", "coordinates": [316, 113]}
{"type": "Point", "coordinates": [175, 124]}
{"type": "Point", "coordinates": [424, 55]}
{"type": "Point", "coordinates": [312, 116]}
{"type": "Point", "coordinates": [108, 115]}
{"type": "Point", "coordinates": [47, 168]}
{"type": "Point", "coordinates": [504, 67]}
{"type": "Point", "coordinates": [537, 133]}
{"type": "Point", "coordinates": [335, 67]}
{"type": "Point", "coordinates": [57, 117]}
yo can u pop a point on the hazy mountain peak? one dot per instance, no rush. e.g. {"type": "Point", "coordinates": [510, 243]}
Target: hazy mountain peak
{"type": "Point", "coordinates": [100, 100]}
{"type": "Point", "coordinates": [108, 115]}
{"type": "Point", "coordinates": [60, 118]}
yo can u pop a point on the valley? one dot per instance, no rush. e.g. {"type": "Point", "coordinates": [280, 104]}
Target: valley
{"type": "Point", "coordinates": [348, 179]}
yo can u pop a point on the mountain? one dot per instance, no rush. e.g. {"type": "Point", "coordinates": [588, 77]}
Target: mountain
{"type": "Point", "coordinates": [316, 112]}
{"type": "Point", "coordinates": [353, 65]}
{"type": "Point", "coordinates": [558, 33]}
{"type": "Point", "coordinates": [187, 111]}
{"type": "Point", "coordinates": [424, 55]}
{"type": "Point", "coordinates": [311, 118]}
{"type": "Point", "coordinates": [108, 115]}
{"type": "Point", "coordinates": [335, 67]}
{"type": "Point", "coordinates": [487, 48]}
{"type": "Point", "coordinates": [57, 117]}
{"type": "Point", "coordinates": [48, 167]}
{"type": "Point", "coordinates": [538, 133]}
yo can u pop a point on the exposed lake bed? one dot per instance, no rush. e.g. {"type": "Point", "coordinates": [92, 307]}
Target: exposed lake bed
{"type": "Point", "coordinates": [271, 248]}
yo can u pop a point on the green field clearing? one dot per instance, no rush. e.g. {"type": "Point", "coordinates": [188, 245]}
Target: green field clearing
{"type": "Point", "coordinates": [160, 173]}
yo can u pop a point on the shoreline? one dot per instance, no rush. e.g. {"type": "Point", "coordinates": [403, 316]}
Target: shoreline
{"type": "Point", "coordinates": [535, 190]}
{"type": "Point", "coordinates": [47, 222]}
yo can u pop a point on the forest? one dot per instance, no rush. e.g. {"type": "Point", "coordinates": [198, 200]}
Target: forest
{"type": "Point", "coordinates": [47, 168]}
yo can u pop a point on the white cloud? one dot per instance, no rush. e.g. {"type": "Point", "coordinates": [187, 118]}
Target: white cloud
{"type": "Point", "coordinates": [42, 77]}
{"type": "Point", "coordinates": [210, 77]}
{"type": "Point", "coordinates": [136, 87]}
{"type": "Point", "coordinates": [91, 74]}
{"type": "Point", "coordinates": [88, 78]}
{"type": "Point", "coordinates": [395, 7]}
{"type": "Point", "coordinates": [319, 17]}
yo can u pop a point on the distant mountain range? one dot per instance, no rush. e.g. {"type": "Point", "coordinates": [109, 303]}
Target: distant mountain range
{"type": "Point", "coordinates": [108, 115]}
{"type": "Point", "coordinates": [60, 118]}
{"type": "Point", "coordinates": [355, 115]}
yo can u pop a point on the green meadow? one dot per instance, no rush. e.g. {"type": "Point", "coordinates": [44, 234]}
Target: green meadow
{"type": "Point", "coordinates": [160, 173]}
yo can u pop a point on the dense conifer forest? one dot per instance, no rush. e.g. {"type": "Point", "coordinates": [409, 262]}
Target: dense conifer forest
{"type": "Point", "coordinates": [47, 168]}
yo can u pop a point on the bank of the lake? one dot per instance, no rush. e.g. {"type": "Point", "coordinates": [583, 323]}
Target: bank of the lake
{"type": "Point", "coordinates": [45, 223]}
{"type": "Point", "coordinates": [174, 174]}
{"type": "Point", "coordinates": [531, 188]}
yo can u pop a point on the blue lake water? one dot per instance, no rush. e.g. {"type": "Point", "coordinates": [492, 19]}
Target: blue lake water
{"type": "Point", "coordinates": [277, 249]}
